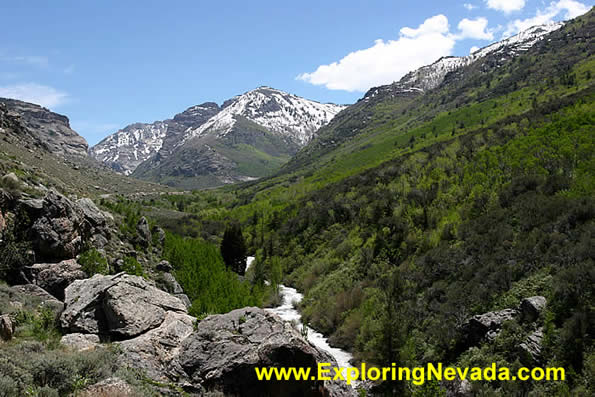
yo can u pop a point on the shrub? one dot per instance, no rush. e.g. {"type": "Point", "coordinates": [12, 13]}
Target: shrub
{"type": "Point", "coordinates": [93, 262]}
{"type": "Point", "coordinates": [131, 266]}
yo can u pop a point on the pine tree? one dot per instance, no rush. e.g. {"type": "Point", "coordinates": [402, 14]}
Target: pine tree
{"type": "Point", "coordinates": [233, 249]}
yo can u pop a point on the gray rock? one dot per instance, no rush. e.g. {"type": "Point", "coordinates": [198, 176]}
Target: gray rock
{"type": "Point", "coordinates": [531, 308]}
{"type": "Point", "coordinates": [531, 347]}
{"type": "Point", "coordinates": [83, 310]}
{"type": "Point", "coordinates": [154, 351]}
{"type": "Point", "coordinates": [58, 233]}
{"type": "Point", "coordinates": [224, 350]}
{"type": "Point", "coordinates": [132, 306]}
{"type": "Point", "coordinates": [172, 286]}
{"type": "Point", "coordinates": [80, 342]}
{"type": "Point", "coordinates": [120, 305]}
{"type": "Point", "coordinates": [144, 233]}
{"type": "Point", "coordinates": [7, 327]}
{"type": "Point", "coordinates": [55, 277]}
{"type": "Point", "coordinates": [93, 214]}
{"type": "Point", "coordinates": [486, 326]}
{"type": "Point", "coordinates": [164, 266]}
{"type": "Point", "coordinates": [185, 300]}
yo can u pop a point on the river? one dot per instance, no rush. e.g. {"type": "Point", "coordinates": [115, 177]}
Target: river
{"type": "Point", "coordinates": [288, 312]}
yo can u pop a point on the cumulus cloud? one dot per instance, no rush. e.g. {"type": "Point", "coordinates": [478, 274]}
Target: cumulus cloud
{"type": "Point", "coordinates": [506, 6]}
{"type": "Point", "coordinates": [388, 61]}
{"type": "Point", "coordinates": [35, 93]}
{"type": "Point", "coordinates": [567, 8]}
{"type": "Point", "coordinates": [475, 29]}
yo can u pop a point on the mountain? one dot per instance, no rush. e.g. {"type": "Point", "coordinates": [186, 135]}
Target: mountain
{"type": "Point", "coordinates": [249, 136]}
{"type": "Point", "coordinates": [359, 118]}
{"type": "Point", "coordinates": [127, 148]}
{"type": "Point", "coordinates": [38, 125]}
{"type": "Point", "coordinates": [44, 152]}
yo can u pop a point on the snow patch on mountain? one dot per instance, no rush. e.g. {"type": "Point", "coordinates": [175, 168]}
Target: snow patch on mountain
{"type": "Point", "coordinates": [277, 111]}
{"type": "Point", "coordinates": [430, 76]}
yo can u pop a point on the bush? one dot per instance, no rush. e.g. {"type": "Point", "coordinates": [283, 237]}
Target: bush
{"type": "Point", "coordinates": [93, 262]}
{"type": "Point", "coordinates": [131, 266]}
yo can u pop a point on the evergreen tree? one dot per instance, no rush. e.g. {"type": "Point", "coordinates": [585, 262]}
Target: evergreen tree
{"type": "Point", "coordinates": [233, 249]}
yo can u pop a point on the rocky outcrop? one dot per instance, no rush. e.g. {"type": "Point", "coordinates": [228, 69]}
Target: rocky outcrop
{"type": "Point", "coordinates": [486, 326]}
{"type": "Point", "coordinates": [531, 347]}
{"type": "Point", "coordinates": [224, 350]}
{"type": "Point", "coordinates": [55, 277]}
{"type": "Point", "coordinates": [144, 232]}
{"type": "Point", "coordinates": [154, 351]}
{"type": "Point", "coordinates": [48, 129]}
{"type": "Point", "coordinates": [121, 306]}
{"type": "Point", "coordinates": [60, 227]}
{"type": "Point", "coordinates": [531, 308]}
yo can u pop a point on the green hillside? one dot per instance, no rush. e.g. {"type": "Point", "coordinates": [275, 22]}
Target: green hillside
{"type": "Point", "coordinates": [408, 215]}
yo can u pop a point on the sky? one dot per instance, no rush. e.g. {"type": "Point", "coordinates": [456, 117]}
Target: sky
{"type": "Point", "coordinates": [107, 64]}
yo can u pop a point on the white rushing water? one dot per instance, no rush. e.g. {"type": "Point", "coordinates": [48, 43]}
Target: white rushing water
{"type": "Point", "coordinates": [288, 312]}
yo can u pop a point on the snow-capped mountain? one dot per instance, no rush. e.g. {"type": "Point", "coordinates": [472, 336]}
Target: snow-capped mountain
{"type": "Point", "coordinates": [130, 146]}
{"type": "Point", "coordinates": [249, 136]}
{"type": "Point", "coordinates": [277, 111]}
{"type": "Point", "coordinates": [430, 76]}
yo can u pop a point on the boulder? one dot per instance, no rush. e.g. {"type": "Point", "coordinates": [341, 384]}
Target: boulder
{"type": "Point", "coordinates": [58, 232]}
{"type": "Point", "coordinates": [171, 285]}
{"type": "Point", "coordinates": [55, 277]}
{"type": "Point", "coordinates": [531, 347]}
{"type": "Point", "coordinates": [225, 349]}
{"type": "Point", "coordinates": [486, 326]}
{"type": "Point", "coordinates": [80, 342]}
{"type": "Point", "coordinates": [83, 310]}
{"type": "Point", "coordinates": [144, 233]}
{"type": "Point", "coordinates": [154, 351]}
{"type": "Point", "coordinates": [132, 306]}
{"type": "Point", "coordinates": [7, 327]}
{"type": "Point", "coordinates": [531, 308]}
{"type": "Point", "coordinates": [99, 222]}
{"type": "Point", "coordinates": [122, 306]}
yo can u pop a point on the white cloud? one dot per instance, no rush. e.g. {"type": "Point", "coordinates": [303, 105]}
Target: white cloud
{"type": "Point", "coordinates": [474, 29]}
{"type": "Point", "coordinates": [473, 49]}
{"type": "Point", "coordinates": [470, 6]}
{"type": "Point", "coordinates": [506, 6]}
{"type": "Point", "coordinates": [35, 93]}
{"type": "Point", "coordinates": [386, 61]}
{"type": "Point", "coordinates": [568, 8]}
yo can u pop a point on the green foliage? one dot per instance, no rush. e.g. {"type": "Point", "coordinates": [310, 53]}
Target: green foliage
{"type": "Point", "coordinates": [131, 266]}
{"type": "Point", "coordinates": [200, 270]}
{"type": "Point", "coordinates": [92, 262]}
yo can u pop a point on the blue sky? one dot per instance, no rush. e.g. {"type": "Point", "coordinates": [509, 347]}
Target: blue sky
{"type": "Point", "coordinates": [106, 64]}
